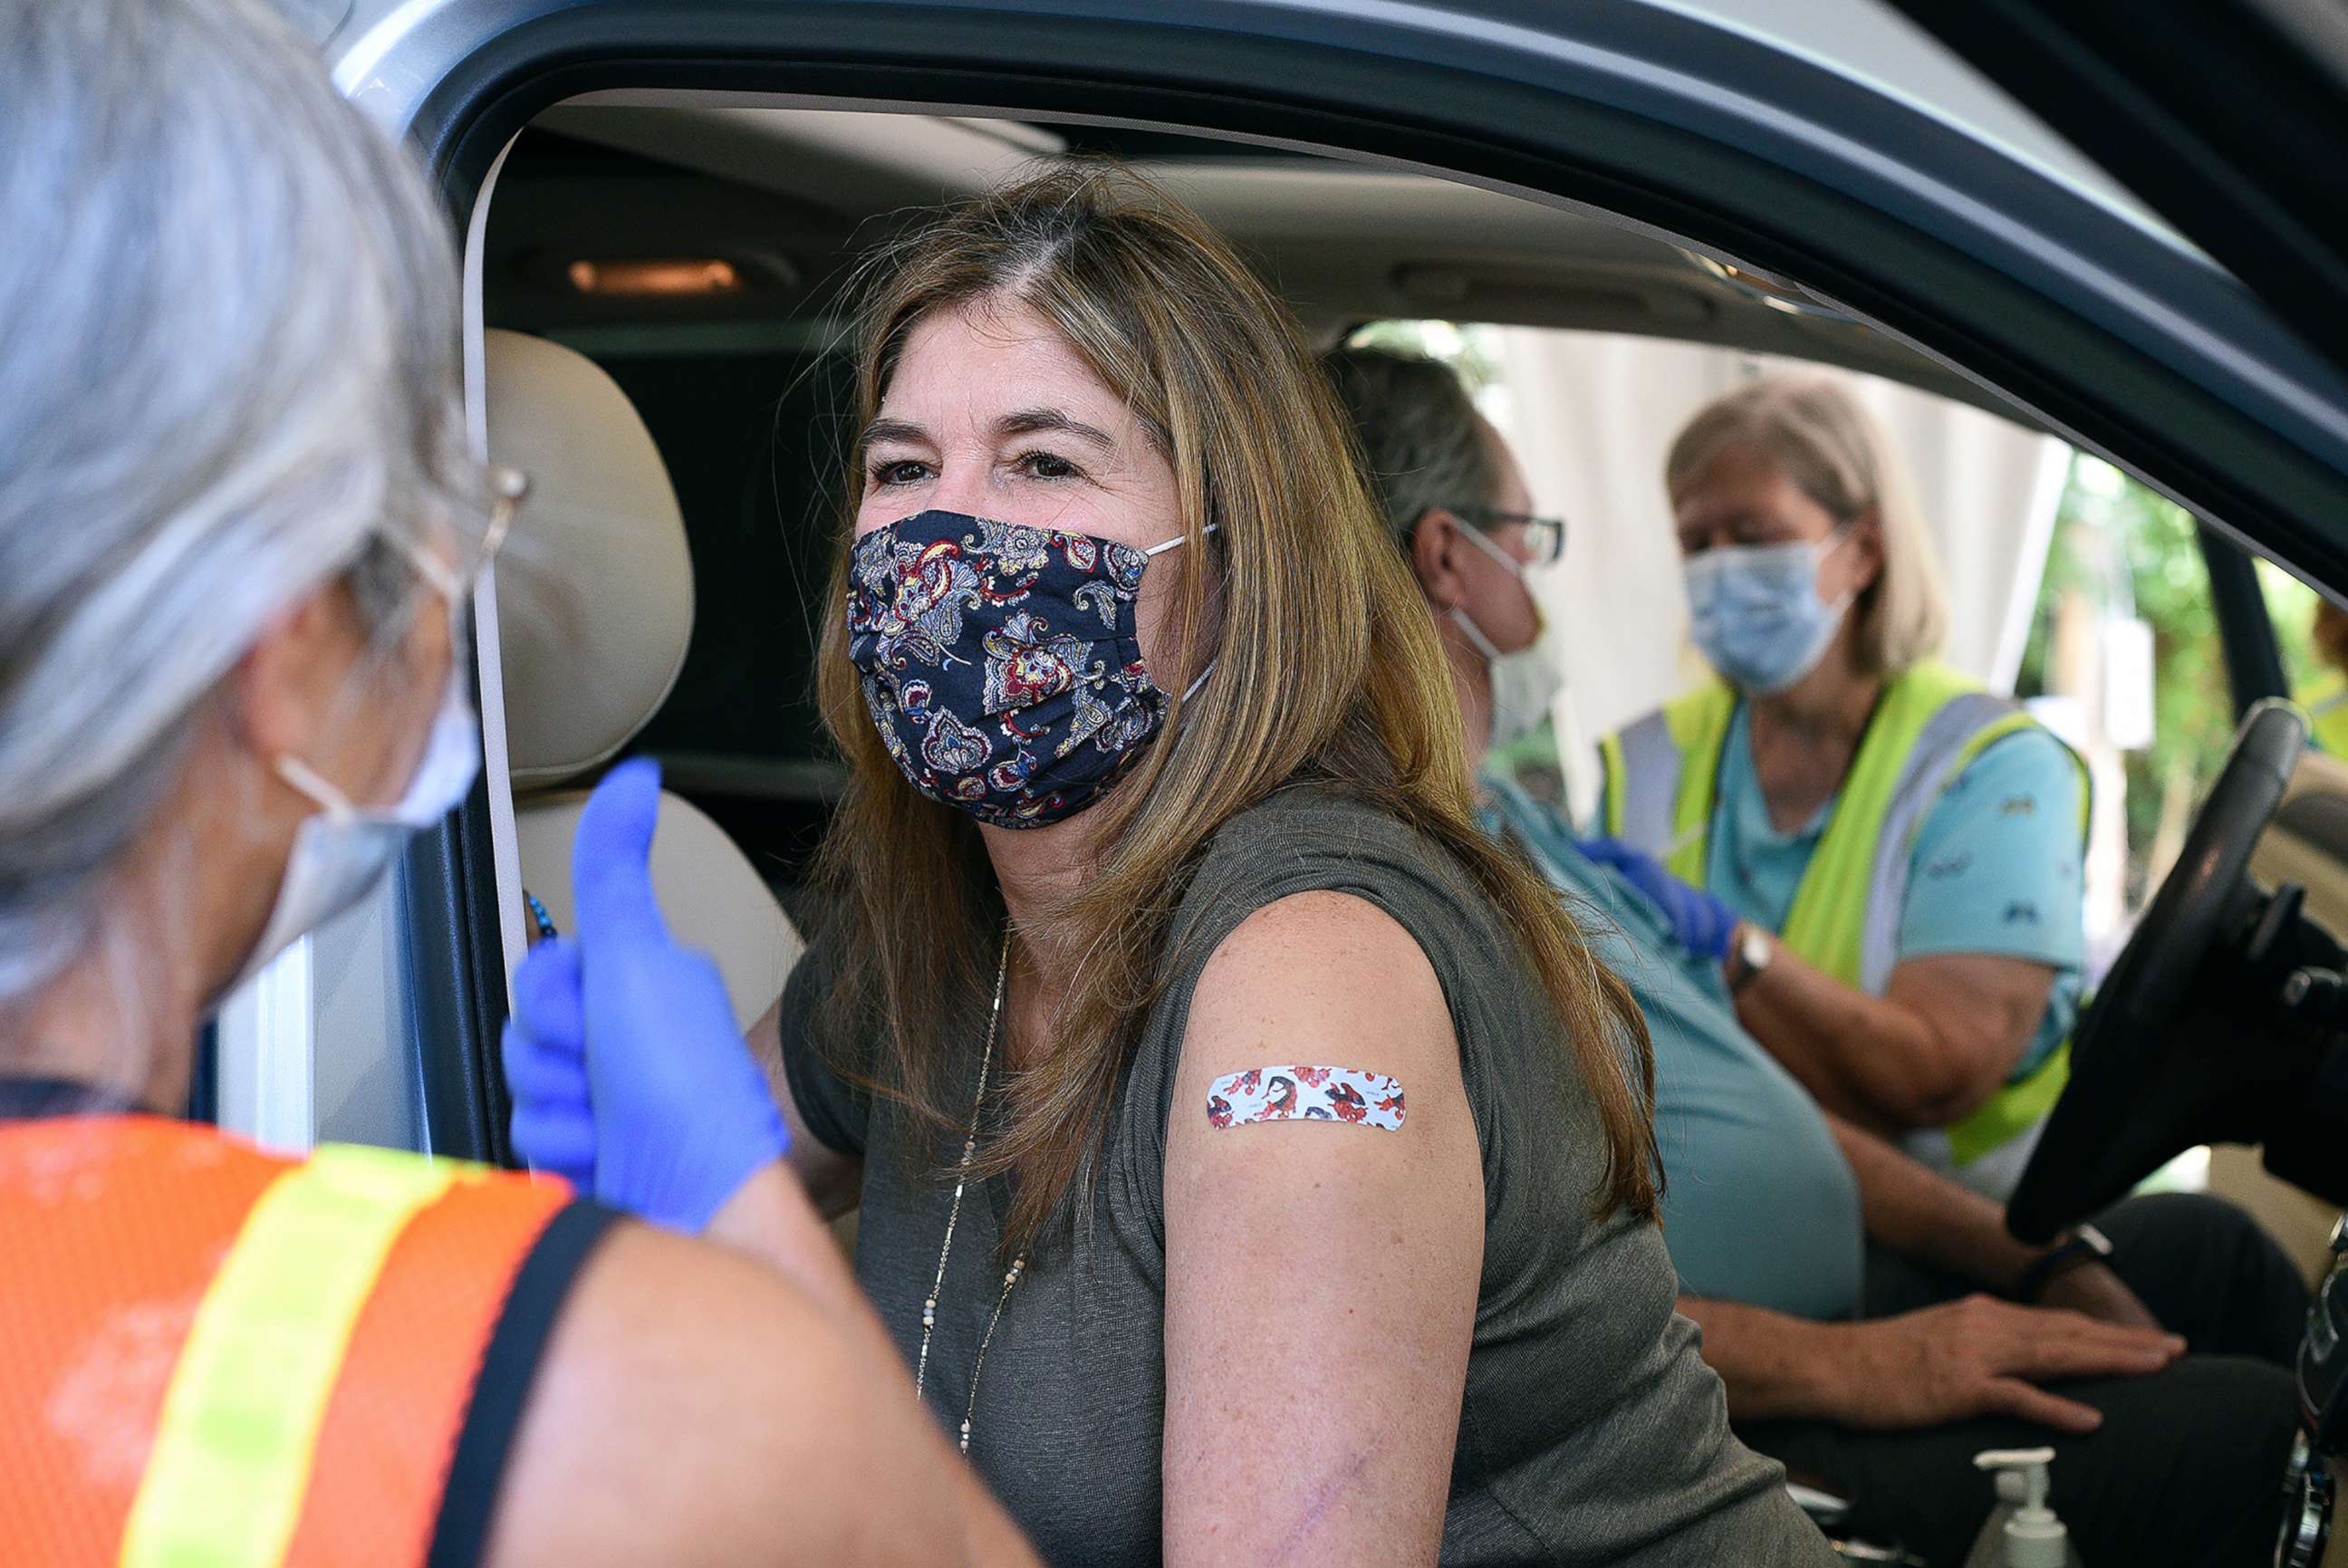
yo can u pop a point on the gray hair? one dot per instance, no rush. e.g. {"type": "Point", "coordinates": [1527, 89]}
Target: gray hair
{"type": "Point", "coordinates": [227, 330]}
{"type": "Point", "coordinates": [1424, 445]}
{"type": "Point", "coordinates": [1821, 438]}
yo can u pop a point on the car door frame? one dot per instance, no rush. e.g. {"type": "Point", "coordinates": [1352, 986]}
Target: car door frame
{"type": "Point", "coordinates": [2152, 90]}
{"type": "Point", "coordinates": [2106, 333]}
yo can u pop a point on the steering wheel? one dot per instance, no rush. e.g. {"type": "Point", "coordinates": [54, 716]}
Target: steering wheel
{"type": "Point", "coordinates": [2142, 1088]}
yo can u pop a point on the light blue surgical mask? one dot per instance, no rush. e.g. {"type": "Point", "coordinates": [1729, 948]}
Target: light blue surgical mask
{"type": "Point", "coordinates": [1525, 684]}
{"type": "Point", "coordinates": [1753, 610]}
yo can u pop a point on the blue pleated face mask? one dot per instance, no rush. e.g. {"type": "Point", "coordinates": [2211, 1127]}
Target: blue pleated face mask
{"type": "Point", "coordinates": [1754, 613]}
{"type": "Point", "coordinates": [999, 661]}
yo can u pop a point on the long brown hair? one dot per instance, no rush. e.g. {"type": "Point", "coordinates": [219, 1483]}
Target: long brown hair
{"type": "Point", "coordinates": [1327, 672]}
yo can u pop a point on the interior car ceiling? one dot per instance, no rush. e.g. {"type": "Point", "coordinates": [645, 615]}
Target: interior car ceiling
{"type": "Point", "coordinates": [1342, 242]}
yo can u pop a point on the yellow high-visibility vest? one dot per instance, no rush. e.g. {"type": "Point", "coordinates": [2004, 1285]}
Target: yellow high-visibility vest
{"type": "Point", "coordinates": [264, 1362]}
{"type": "Point", "coordinates": [2326, 700]}
{"type": "Point", "coordinates": [1661, 774]}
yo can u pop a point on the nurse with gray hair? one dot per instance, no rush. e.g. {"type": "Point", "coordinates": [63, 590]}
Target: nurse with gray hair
{"type": "Point", "coordinates": [238, 528]}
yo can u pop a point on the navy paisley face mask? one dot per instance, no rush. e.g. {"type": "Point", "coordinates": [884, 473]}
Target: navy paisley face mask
{"type": "Point", "coordinates": [999, 661]}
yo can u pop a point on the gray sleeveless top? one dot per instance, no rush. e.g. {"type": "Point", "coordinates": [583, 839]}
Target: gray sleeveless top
{"type": "Point", "coordinates": [1591, 1431]}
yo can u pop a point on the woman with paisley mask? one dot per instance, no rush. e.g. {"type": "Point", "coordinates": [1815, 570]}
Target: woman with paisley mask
{"type": "Point", "coordinates": [1158, 843]}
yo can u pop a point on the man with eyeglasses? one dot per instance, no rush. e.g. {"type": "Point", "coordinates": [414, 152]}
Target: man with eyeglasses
{"type": "Point", "coordinates": [1830, 1272]}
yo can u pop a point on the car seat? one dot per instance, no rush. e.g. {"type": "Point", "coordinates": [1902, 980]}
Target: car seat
{"type": "Point", "coordinates": [595, 611]}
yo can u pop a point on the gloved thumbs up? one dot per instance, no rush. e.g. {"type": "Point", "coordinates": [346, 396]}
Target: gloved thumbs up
{"type": "Point", "coordinates": [610, 859]}
{"type": "Point", "coordinates": [682, 1115]}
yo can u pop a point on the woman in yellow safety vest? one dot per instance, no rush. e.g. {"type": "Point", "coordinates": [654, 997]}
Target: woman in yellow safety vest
{"type": "Point", "coordinates": [2325, 693]}
{"type": "Point", "coordinates": [1885, 856]}
{"type": "Point", "coordinates": [237, 525]}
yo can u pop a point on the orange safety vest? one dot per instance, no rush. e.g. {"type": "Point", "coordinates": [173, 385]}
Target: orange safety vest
{"type": "Point", "coordinates": [210, 1355]}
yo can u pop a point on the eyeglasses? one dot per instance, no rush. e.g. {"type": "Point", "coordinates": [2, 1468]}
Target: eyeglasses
{"type": "Point", "coordinates": [509, 487]}
{"type": "Point", "coordinates": [506, 489]}
{"type": "Point", "coordinates": [1544, 536]}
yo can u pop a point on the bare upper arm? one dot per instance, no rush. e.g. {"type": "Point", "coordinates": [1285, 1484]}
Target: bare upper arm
{"type": "Point", "coordinates": [1983, 1010]}
{"type": "Point", "coordinates": [693, 1409]}
{"type": "Point", "coordinates": [1322, 1278]}
{"type": "Point", "coordinates": [834, 1181]}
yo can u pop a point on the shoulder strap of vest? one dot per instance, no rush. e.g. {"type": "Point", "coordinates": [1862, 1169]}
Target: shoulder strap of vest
{"type": "Point", "coordinates": [1964, 727]}
{"type": "Point", "coordinates": [403, 1410]}
{"type": "Point", "coordinates": [1931, 724]}
{"type": "Point", "coordinates": [1659, 773]}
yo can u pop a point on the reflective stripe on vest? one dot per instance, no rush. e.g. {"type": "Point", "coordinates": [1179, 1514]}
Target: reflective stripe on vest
{"type": "Point", "coordinates": [1931, 723]}
{"type": "Point", "coordinates": [1658, 798]}
{"type": "Point", "coordinates": [1635, 811]}
{"type": "Point", "coordinates": [219, 1356]}
{"type": "Point", "coordinates": [231, 1458]}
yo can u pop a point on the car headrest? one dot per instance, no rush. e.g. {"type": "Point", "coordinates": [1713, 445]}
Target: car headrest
{"type": "Point", "coordinates": [595, 603]}
{"type": "Point", "coordinates": [711, 893]}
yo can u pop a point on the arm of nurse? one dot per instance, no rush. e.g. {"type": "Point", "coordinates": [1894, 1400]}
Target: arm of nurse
{"type": "Point", "coordinates": [1320, 1277]}
{"type": "Point", "coordinates": [1946, 1033]}
{"type": "Point", "coordinates": [696, 1408]}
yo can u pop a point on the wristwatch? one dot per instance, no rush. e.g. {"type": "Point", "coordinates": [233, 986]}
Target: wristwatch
{"type": "Point", "coordinates": [1754, 949]}
{"type": "Point", "coordinates": [2079, 1244]}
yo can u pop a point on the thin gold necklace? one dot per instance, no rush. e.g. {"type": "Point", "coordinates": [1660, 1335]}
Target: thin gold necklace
{"type": "Point", "coordinates": [953, 1212]}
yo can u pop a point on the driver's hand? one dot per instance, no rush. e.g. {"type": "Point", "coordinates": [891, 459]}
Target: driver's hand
{"type": "Point", "coordinates": [2093, 1290]}
{"type": "Point", "coordinates": [1983, 1356]}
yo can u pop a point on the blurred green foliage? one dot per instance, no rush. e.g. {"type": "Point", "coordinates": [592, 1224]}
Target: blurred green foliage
{"type": "Point", "coordinates": [2131, 552]}
{"type": "Point", "coordinates": [2291, 606]}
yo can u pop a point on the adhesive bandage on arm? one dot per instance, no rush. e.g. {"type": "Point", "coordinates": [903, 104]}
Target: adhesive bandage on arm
{"type": "Point", "coordinates": [1306, 1094]}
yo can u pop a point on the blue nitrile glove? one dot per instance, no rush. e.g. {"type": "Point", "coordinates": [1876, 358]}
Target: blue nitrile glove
{"type": "Point", "coordinates": [546, 1065]}
{"type": "Point", "coordinates": [682, 1115]}
{"type": "Point", "coordinates": [1699, 922]}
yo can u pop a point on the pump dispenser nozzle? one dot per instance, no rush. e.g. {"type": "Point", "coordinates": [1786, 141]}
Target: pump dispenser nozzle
{"type": "Point", "coordinates": [2035, 1538]}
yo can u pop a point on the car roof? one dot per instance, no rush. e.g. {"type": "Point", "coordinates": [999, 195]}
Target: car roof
{"type": "Point", "coordinates": [1344, 242]}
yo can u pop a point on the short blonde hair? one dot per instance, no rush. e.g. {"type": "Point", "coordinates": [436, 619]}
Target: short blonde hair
{"type": "Point", "coordinates": [1819, 436]}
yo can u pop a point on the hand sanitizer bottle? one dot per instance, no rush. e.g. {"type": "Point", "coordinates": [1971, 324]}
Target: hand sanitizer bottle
{"type": "Point", "coordinates": [2021, 1531]}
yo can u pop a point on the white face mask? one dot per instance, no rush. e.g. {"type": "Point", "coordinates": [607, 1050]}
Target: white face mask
{"type": "Point", "coordinates": [341, 853]}
{"type": "Point", "coordinates": [1525, 684]}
